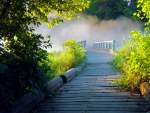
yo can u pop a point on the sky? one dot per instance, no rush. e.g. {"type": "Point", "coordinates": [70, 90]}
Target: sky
{"type": "Point", "coordinates": [89, 28]}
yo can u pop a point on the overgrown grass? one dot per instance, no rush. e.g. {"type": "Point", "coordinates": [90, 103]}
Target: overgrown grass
{"type": "Point", "coordinates": [132, 60]}
{"type": "Point", "coordinates": [61, 61]}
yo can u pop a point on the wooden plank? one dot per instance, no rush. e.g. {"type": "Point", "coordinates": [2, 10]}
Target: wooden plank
{"type": "Point", "coordinates": [93, 91]}
{"type": "Point", "coordinates": [66, 103]}
{"type": "Point", "coordinates": [135, 109]}
{"type": "Point", "coordinates": [63, 105]}
{"type": "Point", "coordinates": [89, 84]}
{"type": "Point", "coordinates": [88, 81]}
{"type": "Point", "coordinates": [87, 88]}
{"type": "Point", "coordinates": [96, 76]}
{"type": "Point", "coordinates": [98, 73]}
{"type": "Point", "coordinates": [118, 106]}
{"type": "Point", "coordinates": [89, 95]}
{"type": "Point", "coordinates": [76, 108]}
{"type": "Point", "coordinates": [116, 100]}
{"type": "Point", "coordinates": [114, 111]}
{"type": "Point", "coordinates": [98, 100]}
{"type": "Point", "coordinates": [98, 94]}
{"type": "Point", "coordinates": [74, 92]}
{"type": "Point", "coordinates": [119, 103]}
{"type": "Point", "coordinates": [62, 108]}
{"type": "Point", "coordinates": [61, 111]}
{"type": "Point", "coordinates": [94, 103]}
{"type": "Point", "coordinates": [94, 106]}
{"type": "Point", "coordinates": [70, 96]}
{"type": "Point", "coordinates": [83, 97]}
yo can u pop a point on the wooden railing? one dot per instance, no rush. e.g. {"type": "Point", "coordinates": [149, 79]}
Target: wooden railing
{"type": "Point", "coordinates": [83, 43]}
{"type": "Point", "coordinates": [105, 45]}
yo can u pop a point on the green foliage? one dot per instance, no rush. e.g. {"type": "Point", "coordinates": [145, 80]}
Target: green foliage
{"type": "Point", "coordinates": [72, 55]}
{"type": "Point", "coordinates": [20, 71]}
{"type": "Point", "coordinates": [133, 60]}
{"type": "Point", "coordinates": [143, 12]}
{"type": "Point", "coordinates": [131, 9]}
{"type": "Point", "coordinates": [111, 9]}
{"type": "Point", "coordinates": [15, 16]}
{"type": "Point", "coordinates": [74, 48]}
{"type": "Point", "coordinates": [23, 61]}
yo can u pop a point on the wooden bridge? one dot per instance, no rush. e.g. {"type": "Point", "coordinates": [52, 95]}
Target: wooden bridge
{"type": "Point", "coordinates": [93, 91]}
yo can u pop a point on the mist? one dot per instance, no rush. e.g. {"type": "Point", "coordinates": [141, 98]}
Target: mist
{"type": "Point", "coordinates": [89, 28]}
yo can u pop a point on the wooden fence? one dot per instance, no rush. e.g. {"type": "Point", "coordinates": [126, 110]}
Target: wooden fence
{"type": "Point", "coordinates": [105, 45]}
{"type": "Point", "coordinates": [83, 43]}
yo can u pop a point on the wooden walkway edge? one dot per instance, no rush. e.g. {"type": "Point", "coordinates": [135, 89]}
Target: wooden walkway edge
{"type": "Point", "coordinates": [92, 91]}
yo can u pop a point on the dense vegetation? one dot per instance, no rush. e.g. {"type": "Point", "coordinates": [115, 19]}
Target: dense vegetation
{"type": "Point", "coordinates": [60, 61]}
{"type": "Point", "coordinates": [21, 50]}
{"type": "Point", "coordinates": [111, 9]}
{"type": "Point", "coordinates": [133, 58]}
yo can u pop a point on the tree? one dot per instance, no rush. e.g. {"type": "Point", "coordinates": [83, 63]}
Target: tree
{"type": "Point", "coordinates": [144, 12]}
{"type": "Point", "coordinates": [131, 9]}
{"type": "Point", "coordinates": [16, 15]}
{"type": "Point", "coordinates": [111, 9]}
{"type": "Point", "coordinates": [21, 50]}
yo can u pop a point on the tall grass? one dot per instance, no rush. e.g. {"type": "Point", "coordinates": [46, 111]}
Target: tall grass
{"type": "Point", "coordinates": [132, 60]}
{"type": "Point", "coordinates": [61, 61]}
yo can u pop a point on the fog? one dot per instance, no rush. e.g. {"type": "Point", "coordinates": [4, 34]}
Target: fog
{"type": "Point", "coordinates": [89, 28]}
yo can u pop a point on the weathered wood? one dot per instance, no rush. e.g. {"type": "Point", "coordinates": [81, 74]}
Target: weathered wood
{"type": "Point", "coordinates": [135, 109]}
{"type": "Point", "coordinates": [55, 83]}
{"type": "Point", "coordinates": [68, 75]}
{"type": "Point", "coordinates": [110, 112]}
{"type": "Point", "coordinates": [89, 112]}
{"type": "Point", "coordinates": [93, 91]}
{"type": "Point", "coordinates": [62, 108]}
{"type": "Point", "coordinates": [98, 104]}
{"type": "Point", "coordinates": [81, 111]}
{"type": "Point", "coordinates": [26, 103]}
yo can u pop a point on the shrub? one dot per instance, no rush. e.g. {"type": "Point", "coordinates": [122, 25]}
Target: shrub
{"type": "Point", "coordinates": [133, 60]}
{"type": "Point", "coordinates": [72, 55]}
{"type": "Point", "coordinates": [20, 71]}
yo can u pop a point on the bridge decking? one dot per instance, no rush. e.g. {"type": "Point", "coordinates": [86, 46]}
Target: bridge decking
{"type": "Point", "coordinates": [92, 91]}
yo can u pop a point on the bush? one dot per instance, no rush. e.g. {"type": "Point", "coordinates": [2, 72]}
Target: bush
{"type": "Point", "coordinates": [133, 60]}
{"type": "Point", "coordinates": [20, 71]}
{"type": "Point", "coordinates": [25, 67]}
{"type": "Point", "coordinates": [72, 55]}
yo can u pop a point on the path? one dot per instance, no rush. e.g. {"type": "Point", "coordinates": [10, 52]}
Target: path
{"type": "Point", "coordinates": [93, 92]}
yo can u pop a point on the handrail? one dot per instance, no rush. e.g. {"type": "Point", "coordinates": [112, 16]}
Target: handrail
{"type": "Point", "coordinates": [105, 45]}
{"type": "Point", "coordinates": [83, 43]}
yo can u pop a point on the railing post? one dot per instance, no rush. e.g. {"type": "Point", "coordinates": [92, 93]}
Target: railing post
{"type": "Point", "coordinates": [105, 45]}
{"type": "Point", "coordinates": [83, 43]}
{"type": "Point", "coordinates": [113, 46]}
